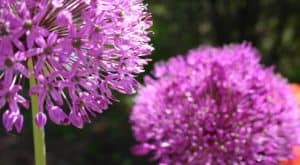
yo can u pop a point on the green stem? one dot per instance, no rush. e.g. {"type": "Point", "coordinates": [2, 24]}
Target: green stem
{"type": "Point", "coordinates": [38, 133]}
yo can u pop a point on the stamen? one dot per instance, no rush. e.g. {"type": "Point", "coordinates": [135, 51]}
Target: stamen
{"type": "Point", "coordinates": [3, 28]}
{"type": "Point", "coordinates": [48, 51]}
{"type": "Point", "coordinates": [28, 24]}
{"type": "Point", "coordinates": [8, 63]}
{"type": "Point", "coordinates": [76, 43]}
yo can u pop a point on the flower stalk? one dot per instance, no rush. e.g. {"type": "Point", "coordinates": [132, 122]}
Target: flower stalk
{"type": "Point", "coordinates": [38, 133]}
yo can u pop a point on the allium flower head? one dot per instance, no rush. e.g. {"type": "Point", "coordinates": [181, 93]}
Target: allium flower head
{"type": "Point", "coordinates": [216, 106]}
{"type": "Point", "coordinates": [81, 50]}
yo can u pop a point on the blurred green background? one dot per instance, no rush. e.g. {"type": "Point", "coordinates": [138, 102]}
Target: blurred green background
{"type": "Point", "coordinates": [179, 25]}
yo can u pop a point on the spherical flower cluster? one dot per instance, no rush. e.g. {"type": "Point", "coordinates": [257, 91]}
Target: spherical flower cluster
{"type": "Point", "coordinates": [78, 51]}
{"type": "Point", "coordinates": [216, 106]}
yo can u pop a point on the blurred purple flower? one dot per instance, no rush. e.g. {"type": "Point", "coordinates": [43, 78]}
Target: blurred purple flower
{"type": "Point", "coordinates": [81, 51]}
{"type": "Point", "coordinates": [216, 106]}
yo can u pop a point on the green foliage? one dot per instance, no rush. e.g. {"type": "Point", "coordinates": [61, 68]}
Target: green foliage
{"type": "Point", "coordinates": [271, 25]}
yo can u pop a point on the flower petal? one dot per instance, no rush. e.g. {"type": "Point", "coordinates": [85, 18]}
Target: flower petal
{"type": "Point", "coordinates": [22, 69]}
{"type": "Point", "coordinates": [76, 120]}
{"type": "Point", "coordinates": [64, 18]}
{"type": "Point", "coordinates": [40, 119]}
{"type": "Point", "coordinates": [52, 38]}
{"type": "Point", "coordinates": [40, 41]}
{"type": "Point", "coordinates": [19, 123]}
{"type": "Point", "coordinates": [57, 115]}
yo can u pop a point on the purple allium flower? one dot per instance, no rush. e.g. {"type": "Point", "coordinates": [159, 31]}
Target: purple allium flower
{"type": "Point", "coordinates": [81, 51]}
{"type": "Point", "coordinates": [216, 106]}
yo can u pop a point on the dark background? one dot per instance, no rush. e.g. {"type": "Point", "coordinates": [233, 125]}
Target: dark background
{"type": "Point", "coordinates": [179, 25]}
